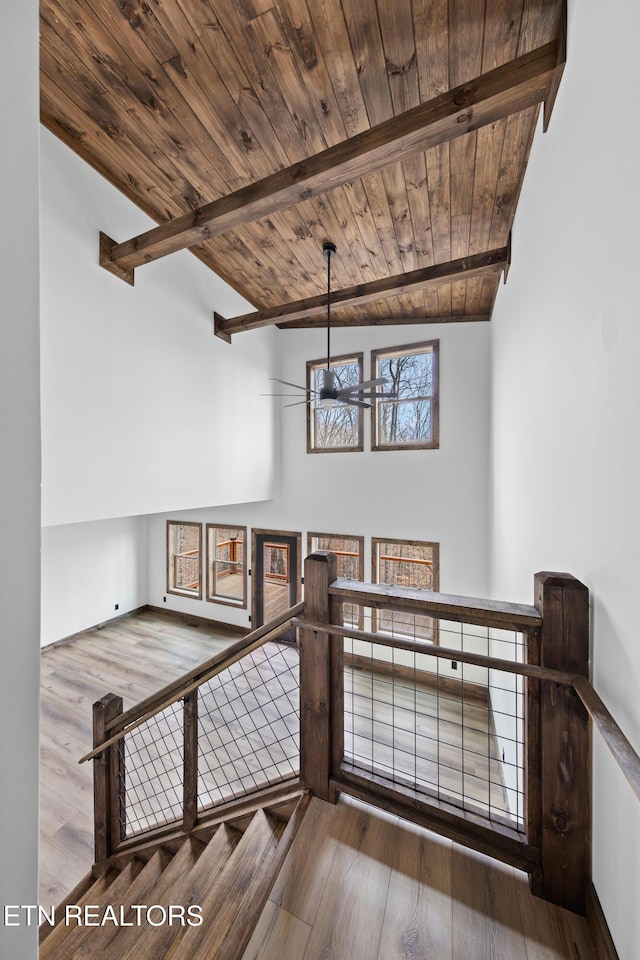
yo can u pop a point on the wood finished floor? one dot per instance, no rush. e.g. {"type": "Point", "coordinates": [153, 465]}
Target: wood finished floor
{"type": "Point", "coordinates": [360, 884]}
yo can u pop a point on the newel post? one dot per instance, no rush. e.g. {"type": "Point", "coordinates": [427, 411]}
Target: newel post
{"type": "Point", "coordinates": [564, 755]}
{"type": "Point", "coordinates": [315, 676]}
{"type": "Point", "coordinates": [107, 786]}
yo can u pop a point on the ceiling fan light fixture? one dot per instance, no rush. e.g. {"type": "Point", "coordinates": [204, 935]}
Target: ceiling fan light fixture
{"type": "Point", "coordinates": [329, 395]}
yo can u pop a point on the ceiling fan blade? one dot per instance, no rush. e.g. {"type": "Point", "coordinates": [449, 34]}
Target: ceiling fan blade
{"type": "Point", "coordinates": [375, 396]}
{"type": "Point", "coordinates": [355, 403]}
{"type": "Point", "coordinates": [296, 385]}
{"type": "Point", "coordinates": [357, 387]}
{"type": "Point", "coordinates": [298, 403]}
{"type": "Point", "coordinates": [281, 395]}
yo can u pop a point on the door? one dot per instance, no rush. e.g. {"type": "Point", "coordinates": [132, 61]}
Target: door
{"type": "Point", "coordinates": [275, 576]}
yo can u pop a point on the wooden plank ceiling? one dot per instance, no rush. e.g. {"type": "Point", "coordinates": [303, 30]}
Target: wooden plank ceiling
{"type": "Point", "coordinates": [181, 102]}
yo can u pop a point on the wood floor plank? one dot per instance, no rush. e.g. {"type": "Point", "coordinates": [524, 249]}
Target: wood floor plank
{"type": "Point", "coordinates": [278, 936]}
{"type": "Point", "coordinates": [485, 916]}
{"type": "Point", "coordinates": [417, 918]}
{"type": "Point", "coordinates": [551, 932]}
{"type": "Point", "coordinates": [302, 880]}
{"type": "Point", "coordinates": [351, 911]}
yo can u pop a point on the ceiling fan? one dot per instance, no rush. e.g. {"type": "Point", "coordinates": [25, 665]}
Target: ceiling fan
{"type": "Point", "coordinates": [330, 395]}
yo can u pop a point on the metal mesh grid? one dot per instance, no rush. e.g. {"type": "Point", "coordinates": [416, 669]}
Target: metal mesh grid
{"type": "Point", "coordinates": [454, 733]}
{"type": "Point", "coordinates": [152, 759]}
{"type": "Point", "coordinates": [249, 725]}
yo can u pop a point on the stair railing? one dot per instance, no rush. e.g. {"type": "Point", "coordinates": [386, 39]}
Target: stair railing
{"type": "Point", "coordinates": [476, 726]}
{"type": "Point", "coordinates": [360, 688]}
{"type": "Point", "coordinates": [158, 767]}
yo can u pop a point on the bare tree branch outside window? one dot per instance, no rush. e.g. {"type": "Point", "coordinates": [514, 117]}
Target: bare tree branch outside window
{"type": "Point", "coordinates": [338, 427]}
{"type": "Point", "coordinates": [410, 419]}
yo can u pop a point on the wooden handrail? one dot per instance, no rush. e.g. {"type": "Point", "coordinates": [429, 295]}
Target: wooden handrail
{"type": "Point", "coordinates": [446, 653]}
{"type": "Point", "coordinates": [627, 758]}
{"type": "Point", "coordinates": [146, 709]}
{"type": "Point", "coordinates": [488, 613]}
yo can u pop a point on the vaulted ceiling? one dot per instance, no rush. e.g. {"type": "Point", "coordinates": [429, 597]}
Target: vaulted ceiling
{"type": "Point", "coordinates": [180, 103]}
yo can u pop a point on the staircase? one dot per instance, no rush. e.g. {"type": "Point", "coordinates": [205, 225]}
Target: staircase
{"type": "Point", "coordinates": [196, 899]}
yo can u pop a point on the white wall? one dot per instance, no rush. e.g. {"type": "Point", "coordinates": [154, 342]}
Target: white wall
{"type": "Point", "coordinates": [439, 495]}
{"type": "Point", "coordinates": [88, 568]}
{"type": "Point", "coordinates": [143, 408]}
{"type": "Point", "coordinates": [19, 472]}
{"type": "Point", "coordinates": [566, 399]}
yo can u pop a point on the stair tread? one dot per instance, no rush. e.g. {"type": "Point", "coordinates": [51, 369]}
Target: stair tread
{"type": "Point", "coordinates": [184, 882]}
{"type": "Point", "coordinates": [236, 888]}
{"type": "Point", "coordinates": [85, 942]}
{"type": "Point", "coordinates": [98, 891]}
{"type": "Point", "coordinates": [241, 928]}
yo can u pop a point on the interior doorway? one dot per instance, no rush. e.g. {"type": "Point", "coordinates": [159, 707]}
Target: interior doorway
{"type": "Point", "coordinates": [275, 575]}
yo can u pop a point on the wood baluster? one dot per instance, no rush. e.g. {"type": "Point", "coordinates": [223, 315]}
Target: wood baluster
{"type": "Point", "coordinates": [336, 646]}
{"type": "Point", "coordinates": [533, 758]}
{"type": "Point", "coordinates": [108, 789]}
{"type": "Point", "coordinates": [190, 771]}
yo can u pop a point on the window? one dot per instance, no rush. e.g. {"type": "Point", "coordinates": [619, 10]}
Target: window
{"type": "Point", "coordinates": [226, 566]}
{"type": "Point", "coordinates": [349, 552]}
{"type": "Point", "coordinates": [184, 549]}
{"type": "Point", "coordinates": [410, 420]}
{"type": "Point", "coordinates": [406, 563]}
{"type": "Point", "coordinates": [337, 427]}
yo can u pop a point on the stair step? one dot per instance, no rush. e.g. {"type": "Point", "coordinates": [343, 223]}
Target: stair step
{"type": "Point", "coordinates": [182, 885]}
{"type": "Point", "coordinates": [242, 927]}
{"type": "Point", "coordinates": [78, 891]}
{"type": "Point", "coordinates": [229, 878]}
{"type": "Point", "coordinates": [285, 809]}
{"type": "Point", "coordinates": [96, 892]}
{"type": "Point", "coordinates": [84, 943]}
{"type": "Point", "coordinates": [237, 888]}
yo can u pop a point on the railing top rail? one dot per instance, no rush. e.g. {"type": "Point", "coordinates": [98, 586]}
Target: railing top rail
{"type": "Point", "coordinates": [621, 748]}
{"type": "Point", "coordinates": [531, 670]}
{"type": "Point", "coordinates": [177, 689]}
{"type": "Point", "coordinates": [626, 756]}
{"type": "Point", "coordinates": [489, 613]}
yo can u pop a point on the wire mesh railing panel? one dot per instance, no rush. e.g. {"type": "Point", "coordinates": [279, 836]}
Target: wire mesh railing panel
{"type": "Point", "coordinates": [249, 725]}
{"type": "Point", "coordinates": [151, 757]}
{"type": "Point", "coordinates": [449, 730]}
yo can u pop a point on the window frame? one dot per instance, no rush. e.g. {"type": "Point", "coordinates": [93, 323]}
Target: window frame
{"type": "Point", "coordinates": [434, 546]}
{"type": "Point", "coordinates": [338, 536]}
{"type": "Point", "coordinates": [176, 592]}
{"type": "Point", "coordinates": [239, 604]}
{"type": "Point", "coordinates": [358, 619]}
{"type": "Point", "coordinates": [426, 346]}
{"type": "Point", "coordinates": [313, 365]}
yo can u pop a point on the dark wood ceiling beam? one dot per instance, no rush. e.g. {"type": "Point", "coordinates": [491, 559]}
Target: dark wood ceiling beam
{"type": "Point", "coordinates": [303, 311]}
{"type": "Point", "coordinates": [386, 321]}
{"type": "Point", "coordinates": [514, 86]}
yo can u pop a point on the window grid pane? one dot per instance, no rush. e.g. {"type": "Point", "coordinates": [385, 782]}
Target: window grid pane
{"type": "Point", "coordinates": [226, 565]}
{"type": "Point", "coordinates": [337, 427]}
{"type": "Point", "coordinates": [410, 418]}
{"type": "Point", "coordinates": [183, 558]}
{"type": "Point", "coordinates": [411, 564]}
